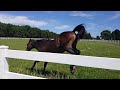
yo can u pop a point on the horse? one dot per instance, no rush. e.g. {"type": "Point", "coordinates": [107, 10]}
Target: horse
{"type": "Point", "coordinates": [66, 41]}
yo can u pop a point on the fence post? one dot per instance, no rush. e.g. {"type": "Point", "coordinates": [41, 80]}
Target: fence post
{"type": "Point", "coordinates": [3, 62]}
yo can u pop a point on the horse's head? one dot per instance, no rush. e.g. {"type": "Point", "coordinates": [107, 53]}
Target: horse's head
{"type": "Point", "coordinates": [30, 45]}
{"type": "Point", "coordinates": [80, 29]}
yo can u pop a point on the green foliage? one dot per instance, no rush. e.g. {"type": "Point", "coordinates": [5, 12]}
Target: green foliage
{"type": "Point", "coordinates": [97, 37]}
{"type": "Point", "coordinates": [116, 35]}
{"type": "Point", "coordinates": [87, 36]}
{"type": "Point", "coordinates": [106, 35]}
{"type": "Point", "coordinates": [9, 30]}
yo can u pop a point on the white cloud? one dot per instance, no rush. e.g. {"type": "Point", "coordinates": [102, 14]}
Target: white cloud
{"type": "Point", "coordinates": [95, 29]}
{"type": "Point", "coordinates": [81, 14]}
{"type": "Point", "coordinates": [117, 15]}
{"type": "Point", "coordinates": [48, 12]}
{"type": "Point", "coordinates": [91, 26]}
{"type": "Point", "coordinates": [108, 28]}
{"type": "Point", "coordinates": [62, 27]}
{"type": "Point", "coordinates": [21, 20]}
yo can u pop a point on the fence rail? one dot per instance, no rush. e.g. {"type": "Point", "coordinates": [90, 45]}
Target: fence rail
{"type": "Point", "coordinates": [79, 60]}
{"type": "Point", "coordinates": [24, 38]}
{"type": "Point", "coordinates": [106, 41]}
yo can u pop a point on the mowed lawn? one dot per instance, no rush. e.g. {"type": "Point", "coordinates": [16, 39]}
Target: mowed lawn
{"type": "Point", "coordinates": [61, 71]}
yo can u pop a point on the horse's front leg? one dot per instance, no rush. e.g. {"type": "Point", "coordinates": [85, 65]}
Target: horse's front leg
{"type": "Point", "coordinates": [72, 51]}
{"type": "Point", "coordinates": [74, 47]}
{"type": "Point", "coordinates": [73, 67]}
{"type": "Point", "coordinates": [77, 51]}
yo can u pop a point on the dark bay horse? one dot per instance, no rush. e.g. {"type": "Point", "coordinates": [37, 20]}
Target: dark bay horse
{"type": "Point", "coordinates": [66, 41]}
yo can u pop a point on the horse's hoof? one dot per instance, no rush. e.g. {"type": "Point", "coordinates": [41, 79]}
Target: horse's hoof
{"type": "Point", "coordinates": [43, 72]}
{"type": "Point", "coordinates": [72, 72]}
{"type": "Point", "coordinates": [78, 52]}
{"type": "Point", "coordinates": [31, 69]}
{"type": "Point", "coordinates": [72, 69]}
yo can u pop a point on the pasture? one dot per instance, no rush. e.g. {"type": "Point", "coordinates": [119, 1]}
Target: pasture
{"type": "Point", "coordinates": [60, 71]}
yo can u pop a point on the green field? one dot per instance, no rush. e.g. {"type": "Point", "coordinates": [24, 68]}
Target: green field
{"type": "Point", "coordinates": [61, 71]}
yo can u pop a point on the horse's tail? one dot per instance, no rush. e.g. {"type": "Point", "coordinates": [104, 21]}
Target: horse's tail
{"type": "Point", "coordinates": [29, 40]}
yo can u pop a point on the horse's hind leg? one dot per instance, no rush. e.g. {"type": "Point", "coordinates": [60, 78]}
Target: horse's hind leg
{"type": "Point", "coordinates": [45, 64]}
{"type": "Point", "coordinates": [72, 68]}
{"type": "Point", "coordinates": [34, 65]}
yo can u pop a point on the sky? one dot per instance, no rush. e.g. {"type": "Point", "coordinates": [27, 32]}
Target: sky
{"type": "Point", "coordinates": [59, 21]}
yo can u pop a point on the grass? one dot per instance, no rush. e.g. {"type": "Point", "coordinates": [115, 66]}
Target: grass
{"type": "Point", "coordinates": [61, 71]}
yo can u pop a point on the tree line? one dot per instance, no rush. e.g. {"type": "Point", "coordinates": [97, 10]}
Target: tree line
{"type": "Point", "coordinates": [9, 30]}
{"type": "Point", "coordinates": [108, 35]}
{"type": "Point", "coordinates": [105, 34]}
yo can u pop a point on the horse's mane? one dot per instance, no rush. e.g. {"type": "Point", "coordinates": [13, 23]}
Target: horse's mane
{"type": "Point", "coordinates": [78, 27]}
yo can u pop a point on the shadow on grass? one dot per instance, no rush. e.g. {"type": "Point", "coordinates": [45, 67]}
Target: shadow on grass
{"type": "Point", "coordinates": [49, 74]}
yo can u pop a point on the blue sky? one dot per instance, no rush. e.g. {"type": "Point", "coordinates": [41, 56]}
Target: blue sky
{"type": "Point", "coordinates": [59, 21]}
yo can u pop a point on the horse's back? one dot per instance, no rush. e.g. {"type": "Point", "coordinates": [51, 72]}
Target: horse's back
{"type": "Point", "coordinates": [47, 45]}
{"type": "Point", "coordinates": [67, 38]}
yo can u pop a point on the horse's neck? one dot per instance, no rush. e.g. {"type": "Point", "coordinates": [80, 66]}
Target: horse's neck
{"type": "Point", "coordinates": [75, 42]}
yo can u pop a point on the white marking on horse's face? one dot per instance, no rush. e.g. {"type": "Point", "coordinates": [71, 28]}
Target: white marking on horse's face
{"type": "Point", "coordinates": [76, 32]}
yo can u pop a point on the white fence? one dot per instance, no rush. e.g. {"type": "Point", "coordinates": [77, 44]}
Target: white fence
{"type": "Point", "coordinates": [112, 41]}
{"type": "Point", "coordinates": [79, 60]}
{"type": "Point", "coordinates": [106, 41]}
{"type": "Point", "coordinates": [24, 38]}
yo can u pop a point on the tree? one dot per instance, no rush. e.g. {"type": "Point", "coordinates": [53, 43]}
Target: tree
{"type": "Point", "coordinates": [106, 35]}
{"type": "Point", "coordinates": [87, 36]}
{"type": "Point", "coordinates": [9, 30]}
{"type": "Point", "coordinates": [97, 37]}
{"type": "Point", "coordinates": [116, 35]}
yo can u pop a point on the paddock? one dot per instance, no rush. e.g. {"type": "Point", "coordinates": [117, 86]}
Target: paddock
{"type": "Point", "coordinates": [78, 60]}
{"type": "Point", "coordinates": [61, 71]}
